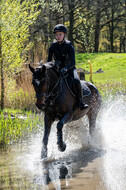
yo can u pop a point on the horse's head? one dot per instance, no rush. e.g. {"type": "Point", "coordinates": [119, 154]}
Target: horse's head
{"type": "Point", "coordinates": [39, 81]}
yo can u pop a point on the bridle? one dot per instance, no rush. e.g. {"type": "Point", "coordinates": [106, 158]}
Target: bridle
{"type": "Point", "coordinates": [38, 82]}
{"type": "Point", "coordinates": [54, 92]}
{"type": "Point", "coordinates": [50, 94]}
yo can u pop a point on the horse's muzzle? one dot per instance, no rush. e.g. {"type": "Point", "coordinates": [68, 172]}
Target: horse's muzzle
{"type": "Point", "coordinates": [40, 106]}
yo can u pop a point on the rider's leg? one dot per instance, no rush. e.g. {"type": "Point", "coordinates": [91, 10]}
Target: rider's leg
{"type": "Point", "coordinates": [82, 104]}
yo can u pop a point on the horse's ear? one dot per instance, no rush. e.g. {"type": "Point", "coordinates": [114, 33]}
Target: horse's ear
{"type": "Point", "coordinates": [49, 65]}
{"type": "Point", "coordinates": [43, 68]}
{"type": "Point", "coordinates": [31, 68]}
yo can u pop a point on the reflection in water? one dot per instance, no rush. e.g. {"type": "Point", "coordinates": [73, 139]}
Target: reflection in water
{"type": "Point", "coordinates": [65, 168]}
{"type": "Point", "coordinates": [22, 168]}
{"type": "Point", "coordinates": [99, 166]}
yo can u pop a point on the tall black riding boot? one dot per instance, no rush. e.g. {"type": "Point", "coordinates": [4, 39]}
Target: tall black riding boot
{"type": "Point", "coordinates": [82, 104]}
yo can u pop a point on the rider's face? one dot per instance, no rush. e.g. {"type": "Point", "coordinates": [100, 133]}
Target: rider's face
{"type": "Point", "coordinates": [60, 36]}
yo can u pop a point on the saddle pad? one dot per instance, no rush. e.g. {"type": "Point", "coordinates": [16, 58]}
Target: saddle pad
{"type": "Point", "coordinates": [86, 90]}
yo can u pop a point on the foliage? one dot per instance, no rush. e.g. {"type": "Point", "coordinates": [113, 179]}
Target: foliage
{"type": "Point", "coordinates": [22, 97]}
{"type": "Point", "coordinates": [16, 125]}
{"type": "Point", "coordinates": [16, 17]}
{"type": "Point", "coordinates": [90, 24]}
{"type": "Point", "coordinates": [55, 6]}
{"type": "Point", "coordinates": [83, 32]}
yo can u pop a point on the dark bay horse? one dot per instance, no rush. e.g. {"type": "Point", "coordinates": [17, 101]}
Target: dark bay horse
{"type": "Point", "coordinates": [57, 101]}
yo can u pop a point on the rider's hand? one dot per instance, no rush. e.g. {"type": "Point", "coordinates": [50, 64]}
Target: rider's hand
{"type": "Point", "coordinates": [63, 70]}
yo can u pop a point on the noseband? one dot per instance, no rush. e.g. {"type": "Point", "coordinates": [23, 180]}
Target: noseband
{"type": "Point", "coordinates": [40, 95]}
{"type": "Point", "coordinates": [53, 93]}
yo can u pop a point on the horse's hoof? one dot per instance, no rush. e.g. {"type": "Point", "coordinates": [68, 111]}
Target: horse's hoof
{"type": "Point", "coordinates": [62, 147]}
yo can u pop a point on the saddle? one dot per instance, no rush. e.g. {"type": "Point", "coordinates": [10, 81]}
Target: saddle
{"type": "Point", "coordinates": [71, 86]}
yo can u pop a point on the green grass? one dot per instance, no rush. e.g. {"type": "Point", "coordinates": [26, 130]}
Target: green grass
{"type": "Point", "coordinates": [17, 124]}
{"type": "Point", "coordinates": [106, 61]}
{"type": "Point", "coordinates": [113, 79]}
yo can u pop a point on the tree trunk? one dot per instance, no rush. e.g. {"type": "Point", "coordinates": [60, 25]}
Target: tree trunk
{"type": "Point", "coordinates": [112, 28]}
{"type": "Point", "coordinates": [125, 30]}
{"type": "Point", "coordinates": [97, 27]}
{"type": "Point", "coordinates": [2, 73]}
{"type": "Point", "coordinates": [71, 18]}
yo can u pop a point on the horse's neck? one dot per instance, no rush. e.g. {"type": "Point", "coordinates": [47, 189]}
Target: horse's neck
{"type": "Point", "coordinates": [52, 78]}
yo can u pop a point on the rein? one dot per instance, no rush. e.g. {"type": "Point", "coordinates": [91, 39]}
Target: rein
{"type": "Point", "coordinates": [53, 94]}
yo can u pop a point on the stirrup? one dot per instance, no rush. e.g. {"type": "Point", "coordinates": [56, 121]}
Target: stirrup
{"type": "Point", "coordinates": [82, 105]}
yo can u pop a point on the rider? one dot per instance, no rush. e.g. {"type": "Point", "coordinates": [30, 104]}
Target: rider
{"type": "Point", "coordinates": [63, 53]}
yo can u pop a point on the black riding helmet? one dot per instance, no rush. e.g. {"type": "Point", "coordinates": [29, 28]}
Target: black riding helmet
{"type": "Point", "coordinates": [60, 28]}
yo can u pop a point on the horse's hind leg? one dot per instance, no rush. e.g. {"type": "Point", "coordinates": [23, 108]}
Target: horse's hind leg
{"type": "Point", "coordinates": [92, 122]}
{"type": "Point", "coordinates": [61, 144]}
{"type": "Point", "coordinates": [93, 112]}
{"type": "Point", "coordinates": [48, 122]}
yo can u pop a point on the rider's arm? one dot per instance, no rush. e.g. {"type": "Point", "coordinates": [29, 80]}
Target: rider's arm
{"type": "Point", "coordinates": [71, 58]}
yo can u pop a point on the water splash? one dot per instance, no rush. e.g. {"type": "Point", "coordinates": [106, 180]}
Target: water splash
{"type": "Point", "coordinates": [75, 134]}
{"type": "Point", "coordinates": [113, 124]}
{"type": "Point", "coordinates": [113, 127]}
{"type": "Point", "coordinates": [110, 135]}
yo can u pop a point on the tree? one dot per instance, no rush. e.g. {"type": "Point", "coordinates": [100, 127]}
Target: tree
{"type": "Point", "coordinates": [1, 72]}
{"type": "Point", "coordinates": [114, 16]}
{"type": "Point", "coordinates": [97, 25]}
{"type": "Point", "coordinates": [123, 36]}
{"type": "Point", "coordinates": [16, 17]}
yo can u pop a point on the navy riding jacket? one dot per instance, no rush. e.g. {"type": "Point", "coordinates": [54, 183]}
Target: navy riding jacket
{"type": "Point", "coordinates": [64, 53]}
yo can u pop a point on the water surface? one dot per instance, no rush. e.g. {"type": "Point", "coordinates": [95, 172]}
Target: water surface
{"type": "Point", "coordinates": [87, 164]}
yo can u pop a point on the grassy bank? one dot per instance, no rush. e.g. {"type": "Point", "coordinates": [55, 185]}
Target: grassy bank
{"type": "Point", "coordinates": [16, 125]}
{"type": "Point", "coordinates": [113, 78]}
{"type": "Point", "coordinates": [106, 61]}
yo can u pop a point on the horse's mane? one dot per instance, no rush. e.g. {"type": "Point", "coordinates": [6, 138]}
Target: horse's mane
{"type": "Point", "coordinates": [51, 71]}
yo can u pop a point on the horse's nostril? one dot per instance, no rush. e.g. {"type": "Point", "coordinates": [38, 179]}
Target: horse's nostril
{"type": "Point", "coordinates": [40, 106]}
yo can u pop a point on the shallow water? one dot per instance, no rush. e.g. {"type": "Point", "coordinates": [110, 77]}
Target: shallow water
{"type": "Point", "coordinates": [87, 164]}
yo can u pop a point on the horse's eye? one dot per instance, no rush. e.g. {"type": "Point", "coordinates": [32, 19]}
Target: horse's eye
{"type": "Point", "coordinates": [37, 82]}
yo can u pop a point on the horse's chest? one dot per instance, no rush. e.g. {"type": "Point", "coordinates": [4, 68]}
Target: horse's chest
{"type": "Point", "coordinates": [58, 112]}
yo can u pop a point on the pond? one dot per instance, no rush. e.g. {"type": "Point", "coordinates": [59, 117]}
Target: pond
{"type": "Point", "coordinates": [87, 164]}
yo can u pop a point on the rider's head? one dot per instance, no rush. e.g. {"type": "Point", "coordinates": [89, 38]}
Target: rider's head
{"type": "Point", "coordinates": [60, 32]}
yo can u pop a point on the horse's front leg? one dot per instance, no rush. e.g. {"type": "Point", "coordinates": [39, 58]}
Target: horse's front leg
{"type": "Point", "coordinates": [47, 122]}
{"type": "Point", "coordinates": [61, 144]}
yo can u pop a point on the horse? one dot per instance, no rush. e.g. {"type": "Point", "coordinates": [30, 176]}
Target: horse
{"type": "Point", "coordinates": [58, 102]}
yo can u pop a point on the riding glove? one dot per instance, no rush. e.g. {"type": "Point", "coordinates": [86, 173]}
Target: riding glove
{"type": "Point", "coordinates": [64, 70]}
